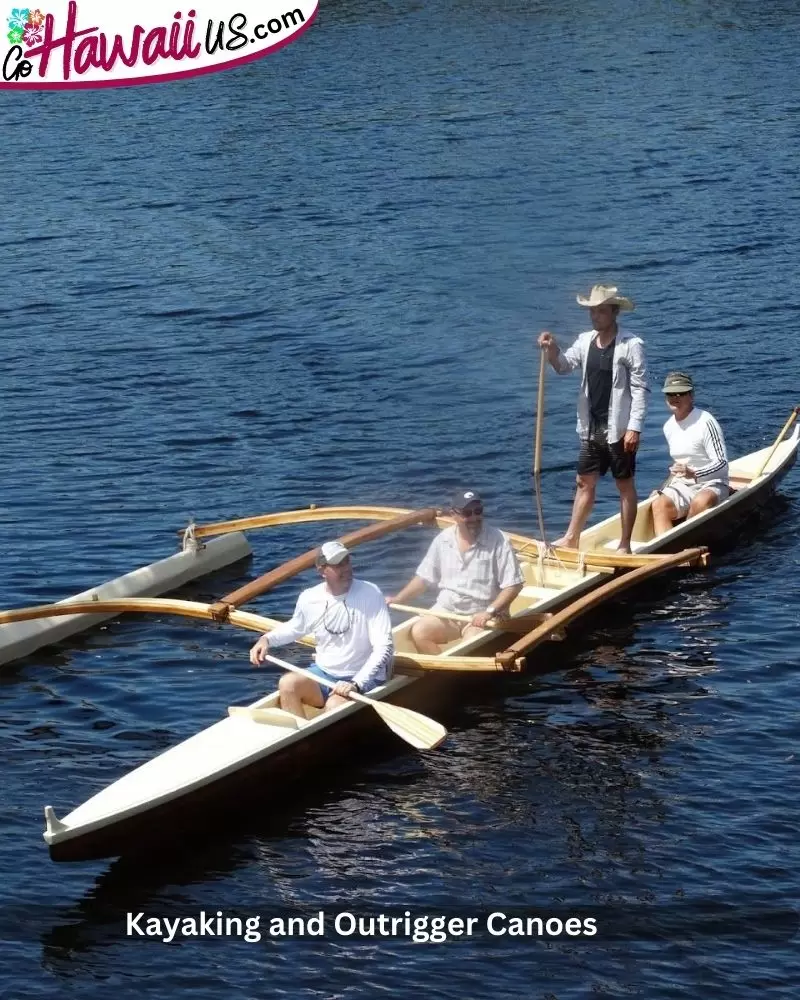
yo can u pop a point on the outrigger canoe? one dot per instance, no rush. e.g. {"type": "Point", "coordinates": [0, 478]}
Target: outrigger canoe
{"type": "Point", "coordinates": [259, 745]}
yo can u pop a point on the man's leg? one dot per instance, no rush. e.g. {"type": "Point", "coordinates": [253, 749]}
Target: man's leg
{"type": "Point", "coordinates": [294, 690]}
{"type": "Point", "coordinates": [703, 500]}
{"type": "Point", "coordinates": [665, 513]}
{"type": "Point", "coordinates": [429, 634]}
{"type": "Point", "coordinates": [586, 488]}
{"type": "Point", "coordinates": [627, 509]}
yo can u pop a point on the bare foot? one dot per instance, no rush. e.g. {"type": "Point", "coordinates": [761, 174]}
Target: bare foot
{"type": "Point", "coordinates": [624, 549]}
{"type": "Point", "coordinates": [565, 542]}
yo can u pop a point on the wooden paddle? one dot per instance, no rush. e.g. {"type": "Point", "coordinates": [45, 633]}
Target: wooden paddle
{"type": "Point", "coordinates": [519, 626]}
{"type": "Point", "coordinates": [537, 451]}
{"type": "Point", "coordinates": [778, 439]}
{"type": "Point", "coordinates": [418, 730]}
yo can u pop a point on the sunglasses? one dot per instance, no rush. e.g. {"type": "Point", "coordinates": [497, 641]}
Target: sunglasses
{"type": "Point", "coordinates": [469, 512]}
{"type": "Point", "coordinates": [676, 395]}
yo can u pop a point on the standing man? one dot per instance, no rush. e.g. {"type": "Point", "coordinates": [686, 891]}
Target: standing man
{"type": "Point", "coordinates": [475, 570]}
{"type": "Point", "coordinates": [699, 471]}
{"type": "Point", "coordinates": [611, 407]}
{"type": "Point", "coordinates": [351, 624]}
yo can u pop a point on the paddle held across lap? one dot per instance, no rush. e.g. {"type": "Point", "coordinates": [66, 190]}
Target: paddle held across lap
{"type": "Point", "coordinates": [416, 729]}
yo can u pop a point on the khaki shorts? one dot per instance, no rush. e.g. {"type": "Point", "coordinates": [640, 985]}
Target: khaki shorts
{"type": "Point", "coordinates": [453, 629]}
{"type": "Point", "coordinates": [682, 493]}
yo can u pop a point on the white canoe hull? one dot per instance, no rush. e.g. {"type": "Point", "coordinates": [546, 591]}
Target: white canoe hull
{"type": "Point", "coordinates": [186, 783]}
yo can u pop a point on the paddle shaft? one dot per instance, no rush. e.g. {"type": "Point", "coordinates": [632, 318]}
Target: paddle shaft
{"type": "Point", "coordinates": [313, 677]}
{"type": "Point", "coordinates": [778, 439]}
{"type": "Point", "coordinates": [416, 729]}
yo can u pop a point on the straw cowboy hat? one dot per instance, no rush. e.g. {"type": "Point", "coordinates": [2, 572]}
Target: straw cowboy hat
{"type": "Point", "coordinates": [606, 295]}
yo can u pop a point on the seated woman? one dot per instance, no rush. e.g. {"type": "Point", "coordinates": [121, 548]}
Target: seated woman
{"type": "Point", "coordinates": [699, 471]}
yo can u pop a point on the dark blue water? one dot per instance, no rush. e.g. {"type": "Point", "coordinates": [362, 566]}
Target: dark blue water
{"type": "Point", "coordinates": [317, 279]}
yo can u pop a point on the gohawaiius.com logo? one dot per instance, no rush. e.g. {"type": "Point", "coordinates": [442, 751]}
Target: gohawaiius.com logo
{"type": "Point", "coordinates": [94, 43]}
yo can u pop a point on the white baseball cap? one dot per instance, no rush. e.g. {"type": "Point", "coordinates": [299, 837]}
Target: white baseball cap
{"type": "Point", "coordinates": [332, 553]}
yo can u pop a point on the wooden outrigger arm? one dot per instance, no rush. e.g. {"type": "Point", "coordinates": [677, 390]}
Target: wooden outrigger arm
{"type": "Point", "coordinates": [280, 574]}
{"type": "Point", "coordinates": [394, 518]}
{"type": "Point", "coordinates": [508, 658]}
{"type": "Point", "coordinates": [242, 619]}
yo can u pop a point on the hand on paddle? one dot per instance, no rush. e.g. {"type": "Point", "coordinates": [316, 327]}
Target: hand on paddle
{"type": "Point", "coordinates": [343, 688]}
{"type": "Point", "coordinates": [259, 650]}
{"type": "Point", "coordinates": [481, 619]}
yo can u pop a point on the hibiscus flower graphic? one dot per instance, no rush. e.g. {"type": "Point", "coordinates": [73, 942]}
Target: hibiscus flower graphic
{"type": "Point", "coordinates": [33, 34]}
{"type": "Point", "coordinates": [19, 18]}
{"type": "Point", "coordinates": [15, 36]}
{"type": "Point", "coordinates": [36, 18]}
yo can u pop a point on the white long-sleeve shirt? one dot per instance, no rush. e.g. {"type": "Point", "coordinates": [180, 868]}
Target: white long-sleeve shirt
{"type": "Point", "coordinates": [697, 440]}
{"type": "Point", "coordinates": [353, 631]}
{"type": "Point", "coordinates": [628, 403]}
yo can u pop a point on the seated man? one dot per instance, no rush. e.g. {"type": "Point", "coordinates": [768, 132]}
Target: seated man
{"type": "Point", "coordinates": [475, 569]}
{"type": "Point", "coordinates": [351, 624]}
{"type": "Point", "coordinates": [699, 473]}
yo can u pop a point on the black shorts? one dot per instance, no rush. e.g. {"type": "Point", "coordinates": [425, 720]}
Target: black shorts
{"type": "Point", "coordinates": [599, 458]}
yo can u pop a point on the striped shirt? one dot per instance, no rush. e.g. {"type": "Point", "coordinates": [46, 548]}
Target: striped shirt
{"type": "Point", "coordinates": [697, 440]}
{"type": "Point", "coordinates": [353, 631]}
{"type": "Point", "coordinates": [469, 581]}
{"type": "Point", "coordinates": [628, 403]}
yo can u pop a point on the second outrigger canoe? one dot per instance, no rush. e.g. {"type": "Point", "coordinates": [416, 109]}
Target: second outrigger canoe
{"type": "Point", "coordinates": [174, 793]}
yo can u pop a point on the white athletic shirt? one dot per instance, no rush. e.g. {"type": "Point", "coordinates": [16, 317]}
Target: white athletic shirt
{"type": "Point", "coordinates": [353, 631]}
{"type": "Point", "coordinates": [697, 440]}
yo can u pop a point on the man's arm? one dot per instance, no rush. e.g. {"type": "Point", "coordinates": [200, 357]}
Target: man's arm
{"type": "Point", "coordinates": [562, 362]}
{"type": "Point", "coordinates": [637, 375]}
{"type": "Point", "coordinates": [290, 631]}
{"type": "Point", "coordinates": [379, 626]}
{"type": "Point", "coordinates": [510, 580]}
{"type": "Point", "coordinates": [428, 575]}
{"type": "Point", "coordinates": [415, 586]}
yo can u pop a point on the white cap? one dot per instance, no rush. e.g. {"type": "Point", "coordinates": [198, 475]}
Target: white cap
{"type": "Point", "coordinates": [332, 553]}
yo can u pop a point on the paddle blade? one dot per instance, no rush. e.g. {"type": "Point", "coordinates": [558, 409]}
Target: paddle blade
{"type": "Point", "coordinates": [418, 730]}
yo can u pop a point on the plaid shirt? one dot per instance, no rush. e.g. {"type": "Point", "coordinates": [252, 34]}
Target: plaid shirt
{"type": "Point", "coordinates": [469, 581]}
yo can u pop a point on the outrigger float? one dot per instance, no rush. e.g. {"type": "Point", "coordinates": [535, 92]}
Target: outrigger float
{"type": "Point", "coordinates": [172, 793]}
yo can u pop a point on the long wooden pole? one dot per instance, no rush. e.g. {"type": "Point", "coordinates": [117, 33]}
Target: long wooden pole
{"type": "Point", "coordinates": [507, 659]}
{"type": "Point", "coordinates": [297, 565]}
{"type": "Point", "coordinates": [537, 451]}
{"type": "Point", "coordinates": [778, 439]}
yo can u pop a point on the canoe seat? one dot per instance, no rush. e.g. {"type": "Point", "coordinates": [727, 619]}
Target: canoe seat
{"type": "Point", "coordinates": [539, 593]}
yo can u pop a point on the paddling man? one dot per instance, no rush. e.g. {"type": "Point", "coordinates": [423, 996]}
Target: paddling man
{"type": "Point", "coordinates": [476, 571]}
{"type": "Point", "coordinates": [352, 628]}
{"type": "Point", "coordinates": [611, 407]}
{"type": "Point", "coordinates": [699, 473]}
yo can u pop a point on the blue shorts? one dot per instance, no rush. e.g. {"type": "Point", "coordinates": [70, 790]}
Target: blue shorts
{"type": "Point", "coordinates": [319, 672]}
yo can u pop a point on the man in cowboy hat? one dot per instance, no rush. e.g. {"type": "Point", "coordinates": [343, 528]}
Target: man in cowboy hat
{"type": "Point", "coordinates": [699, 471]}
{"type": "Point", "coordinates": [611, 407]}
